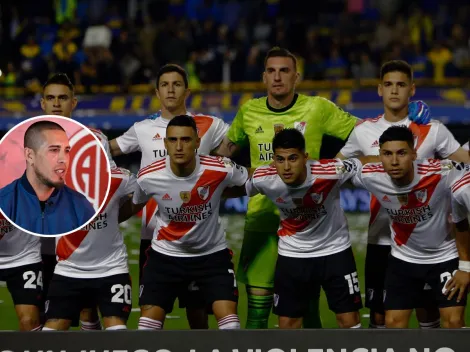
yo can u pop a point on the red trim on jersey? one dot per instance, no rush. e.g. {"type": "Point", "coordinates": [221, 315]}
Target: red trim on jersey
{"type": "Point", "coordinates": [116, 172]}
{"type": "Point", "coordinates": [420, 132]}
{"type": "Point", "coordinates": [372, 119]}
{"type": "Point", "coordinates": [155, 163]}
{"type": "Point", "coordinates": [147, 170]}
{"type": "Point", "coordinates": [465, 180]}
{"type": "Point", "coordinates": [211, 159]}
{"type": "Point", "coordinates": [427, 183]}
{"type": "Point", "coordinates": [150, 209]}
{"type": "Point", "coordinates": [264, 171]}
{"type": "Point", "coordinates": [175, 230]}
{"type": "Point", "coordinates": [203, 123]}
{"type": "Point", "coordinates": [291, 226]}
{"type": "Point", "coordinates": [374, 209]}
{"type": "Point", "coordinates": [211, 164]}
{"type": "Point", "coordinates": [370, 169]}
{"type": "Point", "coordinates": [68, 244]}
{"type": "Point", "coordinates": [270, 173]}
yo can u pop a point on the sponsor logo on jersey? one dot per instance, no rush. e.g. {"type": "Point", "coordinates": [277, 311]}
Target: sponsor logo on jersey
{"type": "Point", "coordinates": [166, 197]}
{"type": "Point", "coordinates": [259, 130]}
{"type": "Point", "coordinates": [88, 172]}
{"type": "Point", "coordinates": [185, 196]}
{"type": "Point", "coordinates": [300, 126]}
{"type": "Point", "coordinates": [278, 128]}
{"type": "Point", "coordinates": [375, 144]}
{"type": "Point", "coordinates": [157, 137]}
{"type": "Point", "coordinates": [386, 199]}
{"type": "Point", "coordinates": [203, 192]}
{"type": "Point", "coordinates": [317, 197]}
{"type": "Point", "coordinates": [403, 198]}
{"type": "Point", "coordinates": [421, 195]}
{"type": "Point", "coordinates": [280, 200]}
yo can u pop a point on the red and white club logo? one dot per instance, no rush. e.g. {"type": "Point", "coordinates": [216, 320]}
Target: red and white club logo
{"type": "Point", "coordinates": [88, 170]}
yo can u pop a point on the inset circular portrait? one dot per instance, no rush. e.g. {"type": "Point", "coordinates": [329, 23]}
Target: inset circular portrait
{"type": "Point", "coordinates": [55, 175]}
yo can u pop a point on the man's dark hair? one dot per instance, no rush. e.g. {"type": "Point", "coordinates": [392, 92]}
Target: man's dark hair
{"type": "Point", "coordinates": [398, 133]}
{"type": "Point", "coordinates": [62, 79]}
{"type": "Point", "coordinates": [183, 121]}
{"type": "Point", "coordinates": [289, 138]}
{"type": "Point", "coordinates": [172, 68]}
{"type": "Point", "coordinates": [33, 137]}
{"type": "Point", "coordinates": [280, 52]}
{"type": "Point", "coordinates": [396, 66]}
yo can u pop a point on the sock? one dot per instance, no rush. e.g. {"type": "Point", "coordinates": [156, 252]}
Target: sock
{"type": "Point", "coordinates": [117, 327]}
{"type": "Point", "coordinates": [358, 326]}
{"type": "Point", "coordinates": [149, 324]}
{"type": "Point", "coordinates": [87, 326]}
{"type": "Point", "coordinates": [229, 322]}
{"type": "Point", "coordinates": [431, 325]}
{"type": "Point", "coordinates": [38, 328]}
{"type": "Point", "coordinates": [48, 329]}
{"type": "Point", "coordinates": [312, 319]}
{"type": "Point", "coordinates": [259, 308]}
{"type": "Point", "coordinates": [374, 326]}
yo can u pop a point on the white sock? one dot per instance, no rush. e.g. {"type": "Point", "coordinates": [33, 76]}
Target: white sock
{"type": "Point", "coordinates": [87, 326]}
{"type": "Point", "coordinates": [48, 329]}
{"type": "Point", "coordinates": [229, 322]}
{"type": "Point", "coordinates": [38, 328]}
{"type": "Point", "coordinates": [149, 324]}
{"type": "Point", "coordinates": [358, 326]}
{"type": "Point", "coordinates": [375, 326]}
{"type": "Point", "coordinates": [117, 327]}
{"type": "Point", "coordinates": [431, 325]}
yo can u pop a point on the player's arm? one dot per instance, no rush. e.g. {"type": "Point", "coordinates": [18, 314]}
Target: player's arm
{"type": "Point", "coordinates": [235, 138]}
{"type": "Point", "coordinates": [460, 155]}
{"type": "Point", "coordinates": [447, 146]}
{"type": "Point", "coordinates": [237, 191]}
{"type": "Point", "coordinates": [352, 148]}
{"type": "Point", "coordinates": [129, 209]}
{"type": "Point", "coordinates": [125, 144]}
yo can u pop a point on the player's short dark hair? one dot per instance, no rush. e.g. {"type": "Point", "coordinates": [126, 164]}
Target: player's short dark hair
{"type": "Point", "coordinates": [183, 121]}
{"type": "Point", "coordinates": [33, 137]}
{"type": "Point", "coordinates": [172, 68]}
{"type": "Point", "coordinates": [396, 66]}
{"type": "Point", "coordinates": [289, 138]}
{"type": "Point", "coordinates": [62, 79]}
{"type": "Point", "coordinates": [397, 133]}
{"type": "Point", "coordinates": [280, 52]}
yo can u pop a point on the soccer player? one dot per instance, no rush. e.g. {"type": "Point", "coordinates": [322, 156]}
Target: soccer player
{"type": "Point", "coordinates": [396, 88]}
{"type": "Point", "coordinates": [416, 195]}
{"type": "Point", "coordinates": [314, 244]}
{"type": "Point", "coordinates": [255, 124]}
{"type": "Point", "coordinates": [39, 200]}
{"type": "Point", "coordinates": [59, 99]}
{"type": "Point", "coordinates": [147, 136]}
{"type": "Point", "coordinates": [92, 266]}
{"type": "Point", "coordinates": [189, 245]}
{"type": "Point", "coordinates": [21, 268]}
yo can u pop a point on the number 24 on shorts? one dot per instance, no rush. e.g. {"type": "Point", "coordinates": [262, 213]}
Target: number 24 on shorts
{"type": "Point", "coordinates": [30, 277]}
{"type": "Point", "coordinates": [353, 282]}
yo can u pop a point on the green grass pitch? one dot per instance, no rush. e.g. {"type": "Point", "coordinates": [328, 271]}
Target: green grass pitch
{"type": "Point", "coordinates": [234, 225]}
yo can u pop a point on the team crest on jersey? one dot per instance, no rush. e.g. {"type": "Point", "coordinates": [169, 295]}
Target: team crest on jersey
{"type": "Point", "coordinates": [300, 126]}
{"type": "Point", "coordinates": [185, 196]}
{"type": "Point", "coordinates": [421, 195]}
{"type": "Point", "coordinates": [228, 163]}
{"type": "Point", "coordinates": [278, 128]}
{"type": "Point", "coordinates": [203, 192]}
{"type": "Point", "coordinates": [298, 201]}
{"type": "Point", "coordinates": [317, 197]}
{"type": "Point", "coordinates": [403, 198]}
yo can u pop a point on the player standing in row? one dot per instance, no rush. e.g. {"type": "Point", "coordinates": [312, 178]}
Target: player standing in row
{"type": "Point", "coordinates": [22, 269]}
{"type": "Point", "coordinates": [189, 245]}
{"type": "Point", "coordinates": [255, 125]}
{"type": "Point", "coordinates": [416, 196]}
{"type": "Point", "coordinates": [147, 136]}
{"type": "Point", "coordinates": [314, 243]}
{"type": "Point", "coordinates": [92, 268]}
{"type": "Point", "coordinates": [59, 99]}
{"type": "Point", "coordinates": [396, 89]}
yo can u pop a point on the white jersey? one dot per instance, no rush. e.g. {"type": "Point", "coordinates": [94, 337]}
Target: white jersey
{"type": "Point", "coordinates": [461, 199]}
{"type": "Point", "coordinates": [147, 137]}
{"type": "Point", "coordinates": [466, 146]}
{"type": "Point", "coordinates": [48, 243]}
{"type": "Point", "coordinates": [418, 212]}
{"type": "Point", "coordinates": [98, 249]}
{"type": "Point", "coordinates": [17, 248]}
{"type": "Point", "coordinates": [312, 221]}
{"type": "Point", "coordinates": [431, 140]}
{"type": "Point", "coordinates": [187, 219]}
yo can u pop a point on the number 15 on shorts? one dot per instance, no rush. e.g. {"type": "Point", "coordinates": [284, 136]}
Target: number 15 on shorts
{"type": "Point", "coordinates": [353, 283]}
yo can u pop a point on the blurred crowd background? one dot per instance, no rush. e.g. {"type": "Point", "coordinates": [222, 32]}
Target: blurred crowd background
{"type": "Point", "coordinates": [122, 43]}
